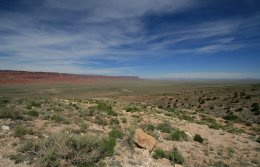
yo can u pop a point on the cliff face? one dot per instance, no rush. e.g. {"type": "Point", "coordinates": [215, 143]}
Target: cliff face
{"type": "Point", "coordinates": [9, 77]}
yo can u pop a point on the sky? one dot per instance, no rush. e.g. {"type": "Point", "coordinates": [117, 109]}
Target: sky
{"type": "Point", "coordinates": [218, 39]}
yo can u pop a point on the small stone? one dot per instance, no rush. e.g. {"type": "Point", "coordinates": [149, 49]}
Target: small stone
{"type": "Point", "coordinates": [4, 127]}
{"type": "Point", "coordinates": [188, 134]}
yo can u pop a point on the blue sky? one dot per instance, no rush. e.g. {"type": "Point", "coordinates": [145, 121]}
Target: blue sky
{"type": "Point", "coordinates": [146, 38]}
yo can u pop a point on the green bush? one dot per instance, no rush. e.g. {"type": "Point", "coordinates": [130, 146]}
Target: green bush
{"type": "Point", "coordinates": [231, 117]}
{"type": "Point", "coordinates": [130, 139]}
{"type": "Point", "coordinates": [4, 101]}
{"type": "Point", "coordinates": [20, 130]}
{"type": "Point", "coordinates": [77, 150]}
{"type": "Point", "coordinates": [33, 113]}
{"type": "Point", "coordinates": [132, 109]}
{"type": "Point", "coordinates": [178, 135]}
{"type": "Point", "coordinates": [198, 138]}
{"type": "Point", "coordinates": [211, 122]}
{"type": "Point", "coordinates": [258, 139]}
{"type": "Point", "coordinates": [255, 108]}
{"type": "Point", "coordinates": [111, 112]}
{"type": "Point", "coordinates": [103, 107]}
{"type": "Point", "coordinates": [149, 127]}
{"type": "Point", "coordinates": [11, 112]}
{"type": "Point", "coordinates": [159, 153]}
{"type": "Point", "coordinates": [219, 164]}
{"type": "Point", "coordinates": [174, 156]}
{"type": "Point", "coordinates": [114, 122]}
{"type": "Point", "coordinates": [100, 120]}
{"type": "Point", "coordinates": [124, 120]}
{"type": "Point", "coordinates": [165, 127]}
{"type": "Point", "coordinates": [33, 104]}
{"type": "Point", "coordinates": [59, 119]}
{"type": "Point", "coordinates": [116, 133]}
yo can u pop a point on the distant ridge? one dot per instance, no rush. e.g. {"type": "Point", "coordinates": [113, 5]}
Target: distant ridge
{"type": "Point", "coordinates": [16, 77]}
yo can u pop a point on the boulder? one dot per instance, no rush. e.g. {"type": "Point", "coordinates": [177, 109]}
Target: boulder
{"type": "Point", "coordinates": [144, 140]}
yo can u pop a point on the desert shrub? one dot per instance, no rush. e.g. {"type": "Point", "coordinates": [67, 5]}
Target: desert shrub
{"type": "Point", "coordinates": [178, 135]}
{"type": "Point", "coordinates": [77, 150]}
{"type": "Point", "coordinates": [130, 139]}
{"type": "Point", "coordinates": [219, 164]}
{"type": "Point", "coordinates": [159, 153]}
{"type": "Point", "coordinates": [33, 113]}
{"type": "Point", "coordinates": [112, 113]}
{"type": "Point", "coordinates": [248, 97]}
{"type": "Point", "coordinates": [231, 117]}
{"type": "Point", "coordinates": [59, 119]}
{"type": "Point", "coordinates": [20, 130]}
{"type": "Point", "coordinates": [100, 120]}
{"type": "Point", "coordinates": [116, 133]}
{"type": "Point", "coordinates": [114, 122]}
{"type": "Point", "coordinates": [211, 122]}
{"type": "Point", "coordinates": [242, 93]}
{"type": "Point", "coordinates": [255, 108]}
{"type": "Point", "coordinates": [132, 109]}
{"type": "Point", "coordinates": [104, 107]}
{"type": "Point", "coordinates": [198, 138]}
{"type": "Point", "coordinates": [89, 112]}
{"type": "Point", "coordinates": [33, 104]}
{"type": "Point", "coordinates": [236, 101]}
{"type": "Point", "coordinates": [229, 127]}
{"type": "Point", "coordinates": [83, 126]}
{"type": "Point", "coordinates": [29, 146]}
{"type": "Point", "coordinates": [165, 127]}
{"type": "Point", "coordinates": [149, 127]}
{"type": "Point", "coordinates": [235, 95]}
{"type": "Point", "coordinates": [176, 157]}
{"type": "Point", "coordinates": [124, 120]}
{"type": "Point", "coordinates": [239, 109]}
{"type": "Point", "coordinates": [11, 112]}
{"type": "Point", "coordinates": [4, 101]}
{"type": "Point", "coordinates": [258, 139]}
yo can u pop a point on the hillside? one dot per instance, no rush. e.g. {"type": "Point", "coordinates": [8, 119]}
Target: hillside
{"type": "Point", "coordinates": [17, 77]}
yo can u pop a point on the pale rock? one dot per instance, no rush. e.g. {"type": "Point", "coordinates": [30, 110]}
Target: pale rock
{"type": "Point", "coordinates": [144, 140]}
{"type": "Point", "coordinates": [4, 127]}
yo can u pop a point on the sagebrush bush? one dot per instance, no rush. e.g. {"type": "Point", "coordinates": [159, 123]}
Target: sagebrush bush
{"type": "Point", "coordinates": [174, 156]}
{"type": "Point", "coordinates": [149, 127]}
{"type": "Point", "coordinates": [231, 117]}
{"type": "Point", "coordinates": [33, 113]}
{"type": "Point", "coordinates": [159, 153]}
{"type": "Point", "coordinates": [178, 135]}
{"type": "Point", "coordinates": [132, 109]}
{"type": "Point", "coordinates": [116, 133]}
{"type": "Point", "coordinates": [20, 130]}
{"type": "Point", "coordinates": [11, 112]}
{"type": "Point", "coordinates": [33, 104]}
{"type": "Point", "coordinates": [165, 127]}
{"type": "Point", "coordinates": [198, 138]}
{"type": "Point", "coordinates": [114, 122]}
{"type": "Point", "coordinates": [102, 107]}
{"type": "Point", "coordinates": [255, 108]}
{"type": "Point", "coordinates": [77, 150]}
{"type": "Point", "coordinates": [59, 119]}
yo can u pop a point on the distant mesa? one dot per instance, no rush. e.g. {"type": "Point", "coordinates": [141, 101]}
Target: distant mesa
{"type": "Point", "coordinates": [17, 77]}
